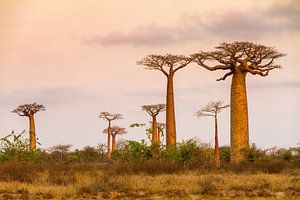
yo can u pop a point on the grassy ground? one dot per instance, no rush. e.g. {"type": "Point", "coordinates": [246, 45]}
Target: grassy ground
{"type": "Point", "coordinates": [120, 181]}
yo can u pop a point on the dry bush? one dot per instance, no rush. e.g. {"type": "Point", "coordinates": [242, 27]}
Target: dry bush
{"type": "Point", "coordinates": [16, 171]}
{"type": "Point", "coordinates": [150, 167]}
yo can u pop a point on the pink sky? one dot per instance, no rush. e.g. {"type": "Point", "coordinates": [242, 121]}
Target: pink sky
{"type": "Point", "coordinates": [78, 58]}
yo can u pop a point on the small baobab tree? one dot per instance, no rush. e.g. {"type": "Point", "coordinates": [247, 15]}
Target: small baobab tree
{"type": "Point", "coordinates": [160, 129]}
{"type": "Point", "coordinates": [153, 111]}
{"type": "Point", "coordinates": [114, 131]}
{"type": "Point", "coordinates": [212, 109]}
{"type": "Point", "coordinates": [109, 117]}
{"type": "Point", "coordinates": [29, 110]}
{"type": "Point", "coordinates": [239, 59]}
{"type": "Point", "coordinates": [167, 64]}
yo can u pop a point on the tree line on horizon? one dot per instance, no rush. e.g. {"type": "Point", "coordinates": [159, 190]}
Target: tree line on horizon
{"type": "Point", "coordinates": [237, 58]}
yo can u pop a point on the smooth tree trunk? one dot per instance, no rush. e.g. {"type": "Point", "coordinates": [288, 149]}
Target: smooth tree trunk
{"type": "Point", "coordinates": [32, 137]}
{"type": "Point", "coordinates": [158, 136]}
{"type": "Point", "coordinates": [113, 147]}
{"type": "Point", "coordinates": [170, 114]}
{"type": "Point", "coordinates": [108, 140]}
{"type": "Point", "coordinates": [217, 151]}
{"type": "Point", "coordinates": [239, 117]}
{"type": "Point", "coordinates": [154, 129]}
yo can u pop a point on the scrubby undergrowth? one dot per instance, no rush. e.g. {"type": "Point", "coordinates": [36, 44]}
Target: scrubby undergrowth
{"type": "Point", "coordinates": [140, 171]}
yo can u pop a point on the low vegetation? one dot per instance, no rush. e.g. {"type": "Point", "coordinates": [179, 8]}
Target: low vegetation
{"type": "Point", "coordinates": [139, 171]}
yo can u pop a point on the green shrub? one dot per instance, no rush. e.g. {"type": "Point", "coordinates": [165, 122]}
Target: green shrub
{"type": "Point", "coordinates": [15, 147]}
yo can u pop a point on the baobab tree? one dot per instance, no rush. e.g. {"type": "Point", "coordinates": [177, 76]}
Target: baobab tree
{"type": "Point", "coordinates": [167, 64]}
{"type": "Point", "coordinates": [29, 110]}
{"type": "Point", "coordinates": [153, 111]}
{"type": "Point", "coordinates": [160, 129]}
{"type": "Point", "coordinates": [239, 59]}
{"type": "Point", "coordinates": [114, 131]}
{"type": "Point", "coordinates": [212, 109]}
{"type": "Point", "coordinates": [109, 117]}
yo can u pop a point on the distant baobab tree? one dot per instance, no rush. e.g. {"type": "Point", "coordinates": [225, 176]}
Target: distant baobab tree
{"type": "Point", "coordinates": [160, 129]}
{"type": "Point", "coordinates": [167, 64]}
{"type": "Point", "coordinates": [29, 110]}
{"type": "Point", "coordinates": [153, 111]}
{"type": "Point", "coordinates": [239, 58]}
{"type": "Point", "coordinates": [212, 109]}
{"type": "Point", "coordinates": [114, 131]}
{"type": "Point", "coordinates": [109, 117]}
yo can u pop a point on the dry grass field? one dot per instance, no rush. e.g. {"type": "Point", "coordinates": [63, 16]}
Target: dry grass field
{"type": "Point", "coordinates": [151, 181]}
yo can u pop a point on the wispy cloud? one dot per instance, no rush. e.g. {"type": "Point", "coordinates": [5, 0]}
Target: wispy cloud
{"type": "Point", "coordinates": [250, 24]}
{"type": "Point", "coordinates": [54, 95]}
{"type": "Point", "coordinates": [276, 84]}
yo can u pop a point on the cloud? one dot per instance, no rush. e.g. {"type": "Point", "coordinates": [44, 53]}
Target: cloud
{"type": "Point", "coordinates": [250, 24]}
{"type": "Point", "coordinates": [56, 95]}
{"type": "Point", "coordinates": [151, 34]}
{"type": "Point", "coordinates": [277, 84]}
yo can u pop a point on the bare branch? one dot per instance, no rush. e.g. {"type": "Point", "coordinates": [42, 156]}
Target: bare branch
{"type": "Point", "coordinates": [252, 58]}
{"type": "Point", "coordinates": [110, 117]}
{"type": "Point", "coordinates": [201, 57]}
{"type": "Point", "coordinates": [154, 110]}
{"type": "Point", "coordinates": [211, 109]}
{"type": "Point", "coordinates": [168, 64]}
{"type": "Point", "coordinates": [28, 109]}
{"type": "Point", "coordinates": [225, 76]}
{"type": "Point", "coordinates": [115, 130]}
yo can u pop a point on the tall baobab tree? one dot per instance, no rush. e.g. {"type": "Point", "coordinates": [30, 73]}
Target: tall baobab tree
{"type": "Point", "coordinates": [114, 131]}
{"type": "Point", "coordinates": [29, 110]}
{"type": "Point", "coordinates": [160, 129]}
{"type": "Point", "coordinates": [109, 117]}
{"type": "Point", "coordinates": [212, 109]}
{"type": "Point", "coordinates": [167, 64]}
{"type": "Point", "coordinates": [239, 59]}
{"type": "Point", "coordinates": [153, 111]}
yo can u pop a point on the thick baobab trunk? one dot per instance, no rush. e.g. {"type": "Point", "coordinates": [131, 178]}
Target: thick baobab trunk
{"type": "Point", "coordinates": [108, 141]}
{"type": "Point", "coordinates": [217, 151]}
{"type": "Point", "coordinates": [32, 139]}
{"type": "Point", "coordinates": [239, 117]}
{"type": "Point", "coordinates": [154, 129]}
{"type": "Point", "coordinates": [113, 147]}
{"type": "Point", "coordinates": [170, 115]}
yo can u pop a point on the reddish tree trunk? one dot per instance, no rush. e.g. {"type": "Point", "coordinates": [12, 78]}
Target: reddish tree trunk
{"type": "Point", "coordinates": [108, 140]}
{"type": "Point", "coordinates": [154, 129]}
{"type": "Point", "coordinates": [170, 114]}
{"type": "Point", "coordinates": [217, 151]}
{"type": "Point", "coordinates": [158, 136]}
{"type": "Point", "coordinates": [32, 137]}
{"type": "Point", "coordinates": [239, 117]}
{"type": "Point", "coordinates": [113, 148]}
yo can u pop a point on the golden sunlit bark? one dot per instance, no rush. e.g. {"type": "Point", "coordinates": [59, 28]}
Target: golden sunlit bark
{"type": "Point", "coordinates": [153, 111]}
{"type": "Point", "coordinates": [239, 59]}
{"type": "Point", "coordinates": [29, 110]}
{"type": "Point", "coordinates": [170, 114]}
{"type": "Point", "coordinates": [158, 137]}
{"type": "Point", "coordinates": [217, 151]}
{"type": "Point", "coordinates": [212, 109]}
{"type": "Point", "coordinates": [167, 64]}
{"type": "Point", "coordinates": [109, 117]}
{"type": "Point", "coordinates": [113, 147]}
{"type": "Point", "coordinates": [32, 137]}
{"type": "Point", "coordinates": [112, 131]}
{"type": "Point", "coordinates": [108, 140]}
{"type": "Point", "coordinates": [239, 117]}
{"type": "Point", "coordinates": [154, 129]}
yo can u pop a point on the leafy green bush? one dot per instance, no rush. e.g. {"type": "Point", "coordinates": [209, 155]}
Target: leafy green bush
{"type": "Point", "coordinates": [15, 147]}
{"type": "Point", "coordinates": [225, 153]}
{"type": "Point", "coordinates": [133, 151]}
